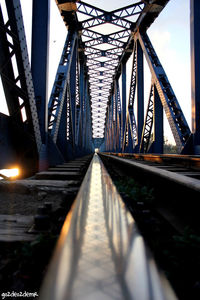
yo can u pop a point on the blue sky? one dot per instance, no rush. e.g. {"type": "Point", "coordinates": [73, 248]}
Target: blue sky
{"type": "Point", "coordinates": [169, 35]}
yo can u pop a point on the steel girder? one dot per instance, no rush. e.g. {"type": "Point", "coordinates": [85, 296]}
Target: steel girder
{"type": "Point", "coordinates": [69, 121]}
{"type": "Point", "coordinates": [61, 89]}
{"type": "Point", "coordinates": [195, 72]}
{"type": "Point", "coordinates": [161, 92]}
{"type": "Point", "coordinates": [22, 127]}
{"type": "Point", "coordinates": [16, 72]}
{"type": "Point", "coordinates": [39, 60]}
{"type": "Point", "coordinates": [86, 101]}
{"type": "Point", "coordinates": [131, 133]}
{"type": "Point", "coordinates": [69, 114]}
{"type": "Point", "coordinates": [106, 57]}
{"type": "Point", "coordinates": [146, 134]}
{"type": "Point", "coordinates": [106, 52]}
{"type": "Point", "coordinates": [175, 116]}
{"type": "Point", "coordinates": [103, 52]}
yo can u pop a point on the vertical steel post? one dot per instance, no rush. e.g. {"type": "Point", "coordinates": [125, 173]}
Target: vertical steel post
{"type": "Point", "coordinates": [86, 96]}
{"type": "Point", "coordinates": [116, 118]}
{"type": "Point", "coordinates": [73, 93]}
{"type": "Point", "coordinates": [195, 68]}
{"type": "Point", "coordinates": [140, 92]}
{"type": "Point", "coordinates": [158, 123]}
{"type": "Point", "coordinates": [39, 67]}
{"type": "Point", "coordinates": [113, 124]}
{"type": "Point", "coordinates": [39, 59]}
{"type": "Point", "coordinates": [82, 80]}
{"type": "Point", "coordinates": [123, 100]}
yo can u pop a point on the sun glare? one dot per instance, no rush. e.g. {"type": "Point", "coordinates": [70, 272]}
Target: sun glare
{"type": "Point", "coordinates": [11, 173]}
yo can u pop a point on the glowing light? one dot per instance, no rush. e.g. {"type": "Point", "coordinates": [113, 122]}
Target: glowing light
{"type": "Point", "coordinates": [11, 173]}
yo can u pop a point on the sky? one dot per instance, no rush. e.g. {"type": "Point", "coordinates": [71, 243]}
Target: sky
{"type": "Point", "coordinates": [169, 35]}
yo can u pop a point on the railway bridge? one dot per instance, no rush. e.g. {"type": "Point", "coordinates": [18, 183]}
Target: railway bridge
{"type": "Point", "coordinates": [96, 117]}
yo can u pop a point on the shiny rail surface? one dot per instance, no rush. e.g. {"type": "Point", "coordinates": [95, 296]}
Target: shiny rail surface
{"type": "Point", "coordinates": [100, 254]}
{"type": "Point", "coordinates": [174, 179]}
{"type": "Point", "coordinates": [189, 161]}
{"type": "Point", "coordinates": [185, 177]}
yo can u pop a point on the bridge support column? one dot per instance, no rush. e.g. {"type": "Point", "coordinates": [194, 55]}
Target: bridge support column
{"type": "Point", "coordinates": [123, 125]}
{"type": "Point", "coordinates": [195, 71]}
{"type": "Point", "coordinates": [158, 124]}
{"type": "Point", "coordinates": [39, 66]}
{"type": "Point", "coordinates": [72, 96]}
{"type": "Point", "coordinates": [140, 92]}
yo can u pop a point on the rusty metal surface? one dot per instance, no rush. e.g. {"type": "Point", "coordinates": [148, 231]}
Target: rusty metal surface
{"type": "Point", "coordinates": [100, 253]}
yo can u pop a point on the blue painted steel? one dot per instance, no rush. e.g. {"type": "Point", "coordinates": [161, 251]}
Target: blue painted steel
{"type": "Point", "coordinates": [72, 94]}
{"type": "Point", "coordinates": [58, 94]}
{"type": "Point", "coordinates": [23, 81]}
{"type": "Point", "coordinates": [131, 141]}
{"type": "Point", "coordinates": [21, 129]}
{"type": "Point", "coordinates": [158, 124]}
{"type": "Point", "coordinates": [175, 116]}
{"type": "Point", "coordinates": [124, 108]}
{"type": "Point", "coordinates": [195, 70]}
{"type": "Point", "coordinates": [148, 124]}
{"type": "Point", "coordinates": [82, 83]}
{"type": "Point", "coordinates": [132, 126]}
{"type": "Point", "coordinates": [39, 60]}
{"type": "Point", "coordinates": [116, 116]}
{"type": "Point", "coordinates": [11, 90]}
{"type": "Point", "coordinates": [85, 96]}
{"type": "Point", "coordinates": [62, 132]}
{"type": "Point", "coordinates": [140, 93]}
{"type": "Point", "coordinates": [102, 63]}
{"type": "Point", "coordinates": [85, 100]}
{"type": "Point", "coordinates": [119, 117]}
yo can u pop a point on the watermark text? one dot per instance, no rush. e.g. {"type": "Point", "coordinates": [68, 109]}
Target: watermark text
{"type": "Point", "coordinates": [18, 294]}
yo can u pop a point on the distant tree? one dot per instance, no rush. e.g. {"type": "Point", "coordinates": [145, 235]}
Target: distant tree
{"type": "Point", "coordinates": [168, 147]}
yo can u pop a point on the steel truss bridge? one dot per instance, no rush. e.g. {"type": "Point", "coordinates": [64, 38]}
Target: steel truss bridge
{"type": "Point", "coordinates": [89, 107]}
{"type": "Point", "coordinates": [100, 253]}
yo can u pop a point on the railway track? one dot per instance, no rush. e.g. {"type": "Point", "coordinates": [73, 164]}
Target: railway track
{"type": "Point", "coordinates": [169, 217]}
{"type": "Point", "coordinates": [161, 193]}
{"type": "Point", "coordinates": [32, 212]}
{"type": "Point", "coordinates": [175, 180]}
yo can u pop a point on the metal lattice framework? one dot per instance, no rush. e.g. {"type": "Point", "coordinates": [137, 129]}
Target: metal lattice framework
{"type": "Point", "coordinates": [89, 104]}
{"type": "Point", "coordinates": [104, 35]}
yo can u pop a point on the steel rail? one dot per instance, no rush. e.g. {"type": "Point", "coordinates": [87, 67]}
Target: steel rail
{"type": "Point", "coordinates": [100, 253]}
{"type": "Point", "coordinates": [167, 175]}
{"type": "Point", "coordinates": [190, 161]}
{"type": "Point", "coordinates": [175, 181]}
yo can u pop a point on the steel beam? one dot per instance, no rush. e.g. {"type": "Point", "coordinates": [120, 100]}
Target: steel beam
{"type": "Point", "coordinates": [59, 90]}
{"type": "Point", "coordinates": [72, 86]}
{"type": "Point", "coordinates": [158, 124]}
{"type": "Point", "coordinates": [175, 116]}
{"type": "Point", "coordinates": [23, 66]}
{"type": "Point", "coordinates": [10, 84]}
{"type": "Point", "coordinates": [123, 119]}
{"type": "Point", "coordinates": [195, 69]}
{"type": "Point", "coordinates": [140, 92]}
{"type": "Point", "coordinates": [110, 63]}
{"type": "Point", "coordinates": [39, 60]}
{"type": "Point", "coordinates": [148, 124]}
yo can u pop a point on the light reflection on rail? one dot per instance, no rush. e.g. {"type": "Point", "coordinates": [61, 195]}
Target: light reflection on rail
{"type": "Point", "coordinates": [100, 253]}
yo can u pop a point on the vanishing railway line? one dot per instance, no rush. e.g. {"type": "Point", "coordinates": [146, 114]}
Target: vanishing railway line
{"type": "Point", "coordinates": [162, 193]}
{"type": "Point", "coordinates": [99, 236]}
{"type": "Point", "coordinates": [133, 234]}
{"type": "Point", "coordinates": [174, 178]}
